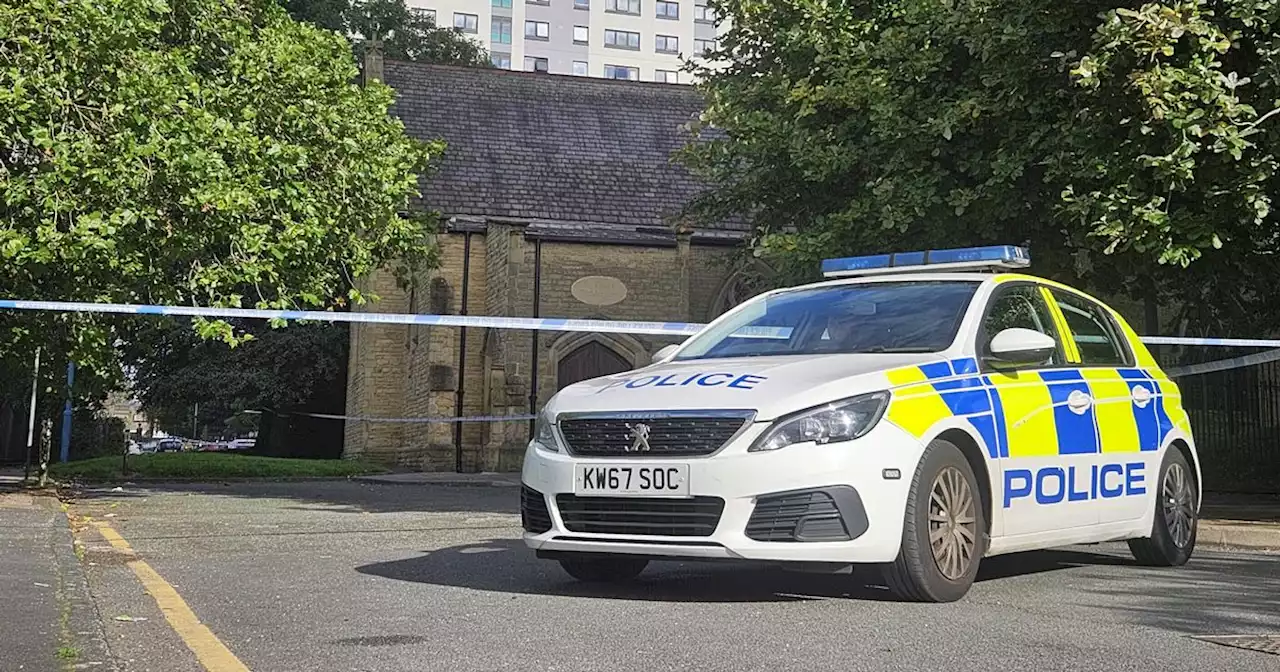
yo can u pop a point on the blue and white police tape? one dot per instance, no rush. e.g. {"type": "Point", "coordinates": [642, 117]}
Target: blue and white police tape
{"type": "Point", "coordinates": [415, 420]}
{"type": "Point", "coordinates": [439, 421]}
{"type": "Point", "coordinates": [481, 321]}
{"type": "Point", "coordinates": [528, 323]}
{"type": "Point", "coordinates": [1218, 342]}
{"type": "Point", "coordinates": [1223, 364]}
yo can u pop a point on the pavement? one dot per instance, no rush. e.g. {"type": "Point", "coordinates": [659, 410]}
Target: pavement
{"type": "Point", "coordinates": [368, 576]}
{"type": "Point", "coordinates": [1240, 521]}
{"type": "Point", "coordinates": [50, 621]}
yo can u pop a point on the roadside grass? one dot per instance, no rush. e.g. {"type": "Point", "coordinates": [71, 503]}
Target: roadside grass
{"type": "Point", "coordinates": [211, 466]}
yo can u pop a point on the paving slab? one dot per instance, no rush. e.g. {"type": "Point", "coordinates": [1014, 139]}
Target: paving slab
{"type": "Point", "coordinates": [50, 621]}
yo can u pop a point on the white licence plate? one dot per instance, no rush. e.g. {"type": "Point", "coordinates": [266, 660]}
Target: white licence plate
{"type": "Point", "coordinates": [632, 480]}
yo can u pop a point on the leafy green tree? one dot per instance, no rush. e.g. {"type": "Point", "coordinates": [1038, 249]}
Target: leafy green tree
{"type": "Point", "coordinates": [298, 368]}
{"type": "Point", "coordinates": [302, 367]}
{"type": "Point", "coordinates": [1130, 145]}
{"type": "Point", "coordinates": [187, 152]}
{"type": "Point", "coordinates": [406, 35]}
{"type": "Point", "coordinates": [327, 14]}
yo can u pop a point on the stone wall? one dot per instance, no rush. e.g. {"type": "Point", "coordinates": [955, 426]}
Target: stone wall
{"type": "Point", "coordinates": [375, 377]}
{"type": "Point", "coordinates": [434, 354]}
{"type": "Point", "coordinates": [398, 371]}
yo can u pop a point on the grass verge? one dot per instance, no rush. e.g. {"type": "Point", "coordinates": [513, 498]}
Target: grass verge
{"type": "Point", "coordinates": [211, 466]}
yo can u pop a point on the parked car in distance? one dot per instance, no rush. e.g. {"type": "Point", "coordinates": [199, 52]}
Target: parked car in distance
{"type": "Point", "coordinates": [169, 446]}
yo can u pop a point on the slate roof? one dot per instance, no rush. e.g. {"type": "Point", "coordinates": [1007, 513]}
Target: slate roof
{"type": "Point", "coordinates": [573, 154]}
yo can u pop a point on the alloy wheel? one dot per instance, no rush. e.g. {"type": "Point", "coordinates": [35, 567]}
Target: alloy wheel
{"type": "Point", "coordinates": [953, 523]}
{"type": "Point", "coordinates": [1179, 512]}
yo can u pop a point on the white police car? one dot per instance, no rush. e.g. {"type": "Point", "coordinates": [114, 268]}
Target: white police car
{"type": "Point", "coordinates": [924, 412]}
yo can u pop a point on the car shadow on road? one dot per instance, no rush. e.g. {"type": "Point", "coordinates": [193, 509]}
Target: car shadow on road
{"type": "Point", "coordinates": [507, 566]}
{"type": "Point", "coordinates": [1215, 593]}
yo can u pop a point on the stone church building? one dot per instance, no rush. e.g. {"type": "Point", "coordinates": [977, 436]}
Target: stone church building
{"type": "Point", "coordinates": [558, 197]}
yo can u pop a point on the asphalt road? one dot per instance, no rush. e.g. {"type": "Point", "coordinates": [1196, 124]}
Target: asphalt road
{"type": "Point", "coordinates": [361, 577]}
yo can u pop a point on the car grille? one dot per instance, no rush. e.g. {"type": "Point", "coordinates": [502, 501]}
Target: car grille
{"type": "Point", "coordinates": [668, 437]}
{"type": "Point", "coordinates": [778, 518]}
{"type": "Point", "coordinates": [695, 517]}
{"type": "Point", "coordinates": [534, 516]}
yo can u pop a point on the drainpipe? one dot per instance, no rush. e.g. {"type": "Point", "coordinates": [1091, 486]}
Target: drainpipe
{"type": "Point", "coordinates": [462, 355]}
{"type": "Point", "coordinates": [537, 303]}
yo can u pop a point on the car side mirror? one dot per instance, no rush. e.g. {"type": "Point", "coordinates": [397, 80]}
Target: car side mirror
{"type": "Point", "coordinates": [665, 353]}
{"type": "Point", "coordinates": [1022, 346]}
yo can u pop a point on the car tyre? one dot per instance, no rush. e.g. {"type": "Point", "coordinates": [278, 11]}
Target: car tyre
{"type": "Point", "coordinates": [1173, 529]}
{"type": "Point", "coordinates": [604, 570]}
{"type": "Point", "coordinates": [944, 535]}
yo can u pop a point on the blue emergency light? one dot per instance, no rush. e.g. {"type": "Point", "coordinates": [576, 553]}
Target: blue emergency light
{"type": "Point", "coordinates": [963, 258]}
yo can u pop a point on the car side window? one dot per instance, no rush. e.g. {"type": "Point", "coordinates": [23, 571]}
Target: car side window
{"type": "Point", "coordinates": [1020, 306]}
{"type": "Point", "coordinates": [1093, 330]}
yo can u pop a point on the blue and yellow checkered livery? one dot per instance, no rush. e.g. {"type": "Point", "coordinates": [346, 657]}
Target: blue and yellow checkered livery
{"type": "Point", "coordinates": [1026, 413]}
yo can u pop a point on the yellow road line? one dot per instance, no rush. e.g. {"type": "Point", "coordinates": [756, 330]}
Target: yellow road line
{"type": "Point", "coordinates": [212, 653]}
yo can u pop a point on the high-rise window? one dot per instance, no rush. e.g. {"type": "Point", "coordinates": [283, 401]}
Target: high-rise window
{"type": "Point", "coordinates": [581, 34]}
{"type": "Point", "coordinates": [668, 9]}
{"type": "Point", "coordinates": [467, 23]}
{"type": "Point", "coordinates": [537, 30]}
{"type": "Point", "coordinates": [502, 4]}
{"type": "Point", "coordinates": [704, 46]}
{"type": "Point", "coordinates": [667, 44]}
{"type": "Point", "coordinates": [666, 76]}
{"type": "Point", "coordinates": [535, 64]}
{"type": "Point", "coordinates": [621, 72]}
{"type": "Point", "coordinates": [501, 61]}
{"type": "Point", "coordinates": [501, 31]}
{"type": "Point", "coordinates": [621, 39]}
{"type": "Point", "coordinates": [582, 4]}
{"type": "Point", "coordinates": [702, 13]}
{"type": "Point", "coordinates": [580, 68]}
{"type": "Point", "coordinates": [623, 6]}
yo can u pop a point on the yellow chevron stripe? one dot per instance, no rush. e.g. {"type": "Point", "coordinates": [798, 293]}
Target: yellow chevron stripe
{"type": "Point", "coordinates": [1113, 408]}
{"type": "Point", "coordinates": [1060, 321]}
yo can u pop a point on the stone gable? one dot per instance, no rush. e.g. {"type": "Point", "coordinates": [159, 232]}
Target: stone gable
{"type": "Point", "coordinates": [557, 194]}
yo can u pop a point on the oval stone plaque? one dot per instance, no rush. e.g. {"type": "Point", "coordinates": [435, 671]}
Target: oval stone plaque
{"type": "Point", "coordinates": [599, 290]}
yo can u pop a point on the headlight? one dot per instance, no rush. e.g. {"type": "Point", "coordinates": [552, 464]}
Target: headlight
{"type": "Point", "coordinates": [837, 421]}
{"type": "Point", "coordinates": [544, 431]}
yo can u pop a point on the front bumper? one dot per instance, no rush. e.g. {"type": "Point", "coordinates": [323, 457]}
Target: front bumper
{"type": "Point", "coordinates": [804, 503]}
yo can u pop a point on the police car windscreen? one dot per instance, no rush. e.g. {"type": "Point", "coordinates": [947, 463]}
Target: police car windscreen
{"type": "Point", "coordinates": [879, 317]}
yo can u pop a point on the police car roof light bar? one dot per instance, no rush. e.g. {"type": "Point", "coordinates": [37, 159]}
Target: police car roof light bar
{"type": "Point", "coordinates": [959, 259]}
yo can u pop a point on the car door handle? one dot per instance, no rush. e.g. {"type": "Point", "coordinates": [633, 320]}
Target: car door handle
{"type": "Point", "coordinates": [1141, 395]}
{"type": "Point", "coordinates": [1079, 402]}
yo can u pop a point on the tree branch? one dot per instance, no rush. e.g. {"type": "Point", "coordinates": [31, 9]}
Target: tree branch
{"type": "Point", "coordinates": [1264, 117]}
